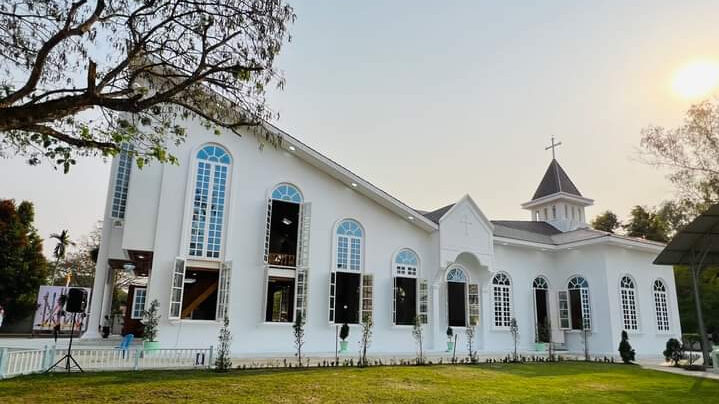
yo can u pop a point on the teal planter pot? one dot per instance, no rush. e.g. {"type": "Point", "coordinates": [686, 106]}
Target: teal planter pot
{"type": "Point", "coordinates": [150, 345]}
{"type": "Point", "coordinates": [450, 346]}
{"type": "Point", "coordinates": [343, 346]}
{"type": "Point", "coordinates": [540, 346]}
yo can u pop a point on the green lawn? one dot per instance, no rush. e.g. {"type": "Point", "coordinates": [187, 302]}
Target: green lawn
{"type": "Point", "coordinates": [551, 383]}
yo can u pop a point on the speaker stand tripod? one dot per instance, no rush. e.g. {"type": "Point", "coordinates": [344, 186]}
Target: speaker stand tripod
{"type": "Point", "coordinates": [68, 356]}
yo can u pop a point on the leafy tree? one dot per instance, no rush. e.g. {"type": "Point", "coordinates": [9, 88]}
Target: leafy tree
{"type": "Point", "coordinates": [23, 268]}
{"type": "Point", "coordinates": [151, 320]}
{"type": "Point", "coordinates": [690, 153]}
{"type": "Point", "coordinates": [606, 221]}
{"type": "Point", "coordinates": [625, 349]}
{"type": "Point", "coordinates": [647, 224]}
{"type": "Point", "coordinates": [79, 263]}
{"type": "Point", "coordinates": [365, 339]}
{"type": "Point", "coordinates": [709, 291]}
{"type": "Point", "coordinates": [63, 241]}
{"type": "Point", "coordinates": [469, 331]}
{"type": "Point", "coordinates": [223, 362]}
{"type": "Point", "coordinates": [90, 75]}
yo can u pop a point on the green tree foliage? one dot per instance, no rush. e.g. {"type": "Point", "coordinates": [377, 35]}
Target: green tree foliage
{"type": "Point", "coordinates": [625, 349]}
{"type": "Point", "coordinates": [709, 290]}
{"type": "Point", "coordinates": [23, 268]}
{"type": "Point", "coordinates": [606, 221]}
{"type": "Point", "coordinates": [648, 224]}
{"type": "Point", "coordinates": [151, 320]}
{"type": "Point", "coordinates": [79, 263]}
{"type": "Point", "coordinates": [60, 250]}
{"type": "Point", "coordinates": [673, 351]}
{"type": "Point", "coordinates": [298, 332]}
{"type": "Point", "coordinates": [72, 71]}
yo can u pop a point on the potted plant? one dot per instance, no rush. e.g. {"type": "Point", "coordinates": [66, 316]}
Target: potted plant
{"type": "Point", "coordinates": [450, 341]}
{"type": "Point", "coordinates": [344, 333]}
{"type": "Point", "coordinates": [151, 319]}
{"type": "Point", "coordinates": [543, 330]}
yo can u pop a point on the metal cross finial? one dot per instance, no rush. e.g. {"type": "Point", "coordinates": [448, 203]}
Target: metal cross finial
{"type": "Point", "coordinates": [553, 146]}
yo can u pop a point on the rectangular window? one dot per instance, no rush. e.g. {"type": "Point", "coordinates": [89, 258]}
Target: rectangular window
{"type": "Point", "coordinates": [405, 298]}
{"type": "Point", "coordinates": [502, 306]}
{"type": "Point", "coordinates": [333, 292]}
{"type": "Point", "coordinates": [347, 297]}
{"type": "Point", "coordinates": [564, 310]}
{"type": "Point", "coordinates": [200, 294]}
{"type": "Point", "coordinates": [355, 254]}
{"type": "Point", "coordinates": [575, 302]}
{"type": "Point", "coordinates": [423, 302]}
{"type": "Point", "coordinates": [176, 288]}
{"type": "Point", "coordinates": [223, 295]}
{"type": "Point", "coordinates": [367, 285]}
{"type": "Point", "coordinates": [122, 181]}
{"type": "Point", "coordinates": [456, 301]}
{"type": "Point", "coordinates": [138, 303]}
{"type": "Point", "coordinates": [629, 309]}
{"type": "Point", "coordinates": [473, 297]}
{"type": "Point", "coordinates": [342, 252]}
{"type": "Point", "coordinates": [660, 302]}
{"type": "Point", "coordinates": [284, 230]}
{"type": "Point", "coordinates": [301, 294]}
{"type": "Point", "coordinates": [199, 209]}
{"type": "Point", "coordinates": [303, 255]}
{"type": "Point", "coordinates": [280, 299]}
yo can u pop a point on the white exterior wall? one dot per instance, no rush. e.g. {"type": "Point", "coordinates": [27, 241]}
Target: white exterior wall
{"type": "Point", "coordinates": [157, 219]}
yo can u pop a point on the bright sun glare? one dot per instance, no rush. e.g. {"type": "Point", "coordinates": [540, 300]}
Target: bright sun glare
{"type": "Point", "coordinates": [697, 79]}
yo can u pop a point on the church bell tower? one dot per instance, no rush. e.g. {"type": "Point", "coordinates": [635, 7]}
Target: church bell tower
{"type": "Point", "coordinates": [557, 200]}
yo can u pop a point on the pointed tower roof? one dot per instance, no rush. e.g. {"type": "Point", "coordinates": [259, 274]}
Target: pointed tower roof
{"type": "Point", "coordinates": [555, 180]}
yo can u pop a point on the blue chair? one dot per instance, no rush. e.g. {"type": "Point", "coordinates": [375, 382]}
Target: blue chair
{"type": "Point", "coordinates": [125, 344]}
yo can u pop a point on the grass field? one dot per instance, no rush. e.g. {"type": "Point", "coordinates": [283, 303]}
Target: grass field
{"type": "Point", "coordinates": [497, 383]}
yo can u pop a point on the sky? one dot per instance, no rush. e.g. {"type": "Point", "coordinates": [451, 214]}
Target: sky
{"type": "Point", "coordinates": [434, 100]}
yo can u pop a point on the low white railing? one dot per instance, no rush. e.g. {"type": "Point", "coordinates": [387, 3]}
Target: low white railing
{"type": "Point", "coordinates": [27, 361]}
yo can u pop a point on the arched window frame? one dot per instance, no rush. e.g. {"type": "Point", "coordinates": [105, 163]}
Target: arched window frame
{"type": "Point", "coordinates": [580, 283]}
{"type": "Point", "coordinates": [214, 165]}
{"type": "Point", "coordinates": [502, 300]}
{"type": "Point", "coordinates": [297, 270]}
{"type": "Point", "coordinates": [406, 264]}
{"type": "Point", "coordinates": [540, 282]}
{"type": "Point", "coordinates": [628, 303]}
{"type": "Point", "coordinates": [350, 265]}
{"type": "Point", "coordinates": [661, 305]}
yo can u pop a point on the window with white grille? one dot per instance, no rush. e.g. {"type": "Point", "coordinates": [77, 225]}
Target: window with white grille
{"type": "Point", "coordinates": [661, 306]}
{"type": "Point", "coordinates": [502, 294]}
{"type": "Point", "coordinates": [629, 304]}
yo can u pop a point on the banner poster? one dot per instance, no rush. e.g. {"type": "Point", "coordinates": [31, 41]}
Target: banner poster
{"type": "Point", "coordinates": [51, 310]}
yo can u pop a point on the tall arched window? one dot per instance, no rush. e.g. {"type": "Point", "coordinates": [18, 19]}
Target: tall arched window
{"type": "Point", "coordinates": [405, 268]}
{"type": "Point", "coordinates": [578, 304]}
{"type": "Point", "coordinates": [286, 237]}
{"type": "Point", "coordinates": [660, 304]}
{"type": "Point", "coordinates": [540, 287]}
{"type": "Point", "coordinates": [349, 246]}
{"type": "Point", "coordinates": [208, 203]}
{"type": "Point", "coordinates": [629, 303]}
{"type": "Point", "coordinates": [502, 294]}
{"type": "Point", "coordinates": [457, 297]}
{"type": "Point", "coordinates": [350, 290]}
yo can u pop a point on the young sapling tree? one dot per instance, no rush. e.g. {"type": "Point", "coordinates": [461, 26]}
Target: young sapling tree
{"type": "Point", "coordinates": [298, 330]}
{"type": "Point", "coordinates": [417, 334]}
{"type": "Point", "coordinates": [223, 362]}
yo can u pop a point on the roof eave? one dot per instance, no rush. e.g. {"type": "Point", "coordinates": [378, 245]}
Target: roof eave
{"type": "Point", "coordinates": [557, 196]}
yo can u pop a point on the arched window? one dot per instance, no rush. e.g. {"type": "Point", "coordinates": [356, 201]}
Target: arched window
{"type": "Point", "coordinates": [405, 271]}
{"type": "Point", "coordinates": [578, 305]}
{"type": "Point", "coordinates": [349, 246]}
{"type": "Point", "coordinates": [208, 203]}
{"type": "Point", "coordinates": [406, 263]}
{"type": "Point", "coordinates": [629, 303]}
{"type": "Point", "coordinates": [501, 292]}
{"type": "Point", "coordinates": [350, 290]}
{"type": "Point", "coordinates": [540, 289]}
{"type": "Point", "coordinates": [456, 275]}
{"type": "Point", "coordinates": [287, 193]}
{"type": "Point", "coordinates": [660, 304]}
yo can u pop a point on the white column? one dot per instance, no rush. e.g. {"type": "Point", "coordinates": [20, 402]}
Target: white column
{"type": "Point", "coordinates": [102, 272]}
{"type": "Point", "coordinates": [436, 326]}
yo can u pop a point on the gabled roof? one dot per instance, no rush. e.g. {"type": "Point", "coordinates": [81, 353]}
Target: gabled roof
{"type": "Point", "coordinates": [538, 232]}
{"type": "Point", "coordinates": [555, 180]}
{"type": "Point", "coordinates": [435, 215]}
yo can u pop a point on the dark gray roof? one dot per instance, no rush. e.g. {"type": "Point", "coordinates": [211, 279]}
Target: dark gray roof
{"type": "Point", "coordinates": [435, 215]}
{"type": "Point", "coordinates": [555, 180]}
{"type": "Point", "coordinates": [698, 241]}
{"type": "Point", "coordinates": [538, 232]}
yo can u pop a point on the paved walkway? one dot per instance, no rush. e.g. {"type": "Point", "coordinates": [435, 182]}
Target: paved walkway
{"type": "Point", "coordinates": [709, 374]}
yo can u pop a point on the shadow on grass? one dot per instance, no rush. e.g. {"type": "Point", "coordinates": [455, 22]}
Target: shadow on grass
{"type": "Point", "coordinates": [555, 368]}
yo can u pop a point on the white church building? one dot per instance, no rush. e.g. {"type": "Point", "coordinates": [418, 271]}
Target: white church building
{"type": "Point", "coordinates": [261, 234]}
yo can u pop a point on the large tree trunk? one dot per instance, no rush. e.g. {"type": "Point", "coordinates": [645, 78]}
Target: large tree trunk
{"type": "Point", "coordinates": [696, 272]}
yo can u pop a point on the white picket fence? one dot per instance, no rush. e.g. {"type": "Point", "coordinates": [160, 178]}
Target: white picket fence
{"type": "Point", "coordinates": [15, 362]}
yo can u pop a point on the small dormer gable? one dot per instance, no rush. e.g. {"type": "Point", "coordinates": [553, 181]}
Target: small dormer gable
{"type": "Point", "coordinates": [464, 227]}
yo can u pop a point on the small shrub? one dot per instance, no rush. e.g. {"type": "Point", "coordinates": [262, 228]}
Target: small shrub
{"type": "Point", "coordinates": [223, 363]}
{"type": "Point", "coordinates": [673, 352]}
{"type": "Point", "coordinates": [151, 320]}
{"type": "Point", "coordinates": [625, 349]}
{"type": "Point", "coordinates": [344, 331]}
{"type": "Point", "coordinates": [417, 334]}
{"type": "Point", "coordinates": [450, 334]}
{"type": "Point", "coordinates": [514, 329]}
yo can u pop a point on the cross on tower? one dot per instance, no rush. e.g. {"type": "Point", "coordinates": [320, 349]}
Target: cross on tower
{"type": "Point", "coordinates": [553, 146]}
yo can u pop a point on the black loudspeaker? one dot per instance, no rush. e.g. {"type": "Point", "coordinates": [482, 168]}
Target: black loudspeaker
{"type": "Point", "coordinates": [76, 300]}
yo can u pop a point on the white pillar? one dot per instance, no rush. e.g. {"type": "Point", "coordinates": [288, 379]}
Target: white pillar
{"type": "Point", "coordinates": [436, 326]}
{"type": "Point", "coordinates": [102, 272]}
